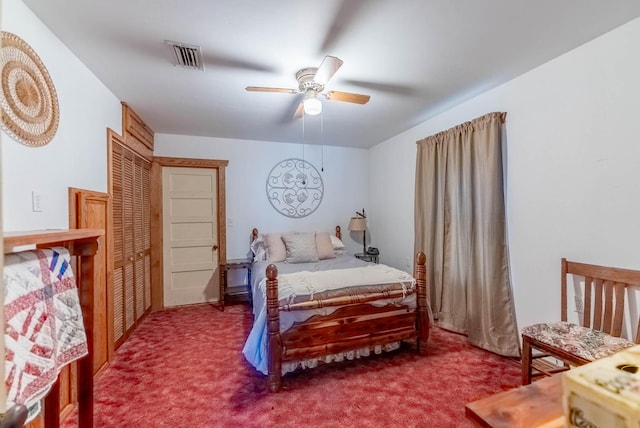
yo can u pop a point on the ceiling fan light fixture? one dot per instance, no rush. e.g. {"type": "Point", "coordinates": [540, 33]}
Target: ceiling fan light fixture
{"type": "Point", "coordinates": [311, 83]}
{"type": "Point", "coordinates": [312, 105]}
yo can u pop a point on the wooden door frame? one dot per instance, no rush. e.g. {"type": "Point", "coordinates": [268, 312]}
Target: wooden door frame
{"type": "Point", "coordinates": [75, 223]}
{"type": "Point", "coordinates": [157, 240]}
{"type": "Point", "coordinates": [68, 378]}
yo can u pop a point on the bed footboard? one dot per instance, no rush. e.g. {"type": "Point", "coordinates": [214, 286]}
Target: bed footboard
{"type": "Point", "coordinates": [423, 321]}
{"type": "Point", "coordinates": [347, 328]}
{"type": "Point", "coordinates": [273, 330]}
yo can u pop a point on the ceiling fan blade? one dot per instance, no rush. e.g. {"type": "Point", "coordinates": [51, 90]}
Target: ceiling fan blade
{"type": "Point", "coordinates": [348, 97]}
{"type": "Point", "coordinates": [328, 67]}
{"type": "Point", "coordinates": [299, 111]}
{"type": "Point", "coordinates": [382, 87]}
{"type": "Point", "coordinates": [345, 16]}
{"type": "Point", "coordinates": [291, 112]}
{"type": "Point", "coordinates": [267, 89]}
{"type": "Point", "coordinates": [227, 62]}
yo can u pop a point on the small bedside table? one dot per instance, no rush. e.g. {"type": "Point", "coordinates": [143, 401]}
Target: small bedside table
{"type": "Point", "coordinates": [237, 293]}
{"type": "Point", "coordinates": [371, 258]}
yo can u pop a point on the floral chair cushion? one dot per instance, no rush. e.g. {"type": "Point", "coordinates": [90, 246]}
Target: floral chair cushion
{"type": "Point", "coordinates": [581, 341]}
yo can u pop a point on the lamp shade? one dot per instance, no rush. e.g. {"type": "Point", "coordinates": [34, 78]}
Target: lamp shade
{"type": "Point", "coordinates": [358, 224]}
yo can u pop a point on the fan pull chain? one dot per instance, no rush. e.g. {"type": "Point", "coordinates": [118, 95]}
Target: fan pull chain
{"type": "Point", "coordinates": [304, 181]}
{"type": "Point", "coordinates": [321, 142]}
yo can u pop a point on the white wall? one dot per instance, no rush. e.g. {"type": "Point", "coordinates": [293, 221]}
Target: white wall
{"type": "Point", "coordinates": [573, 169]}
{"type": "Point", "coordinates": [77, 155]}
{"type": "Point", "coordinates": [345, 185]}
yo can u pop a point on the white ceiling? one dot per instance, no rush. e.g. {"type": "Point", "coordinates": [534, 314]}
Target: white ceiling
{"type": "Point", "coordinates": [414, 57]}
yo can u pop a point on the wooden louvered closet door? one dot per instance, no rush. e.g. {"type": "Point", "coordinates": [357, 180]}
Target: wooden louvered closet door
{"type": "Point", "coordinates": [132, 240]}
{"type": "Point", "coordinates": [142, 237]}
{"type": "Point", "coordinates": [118, 241]}
{"type": "Point", "coordinates": [146, 237]}
{"type": "Point", "coordinates": [128, 234]}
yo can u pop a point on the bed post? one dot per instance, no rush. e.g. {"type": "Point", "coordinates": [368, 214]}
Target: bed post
{"type": "Point", "coordinates": [423, 314]}
{"type": "Point", "coordinates": [338, 232]}
{"type": "Point", "coordinates": [274, 351]}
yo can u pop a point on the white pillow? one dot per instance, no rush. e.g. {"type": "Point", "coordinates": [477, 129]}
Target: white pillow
{"type": "Point", "coordinates": [259, 249]}
{"type": "Point", "coordinates": [276, 251]}
{"type": "Point", "coordinates": [337, 243]}
{"type": "Point", "coordinates": [300, 247]}
{"type": "Point", "coordinates": [324, 247]}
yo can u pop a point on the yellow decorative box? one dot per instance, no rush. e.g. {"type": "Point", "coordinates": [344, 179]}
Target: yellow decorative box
{"type": "Point", "coordinates": [604, 393]}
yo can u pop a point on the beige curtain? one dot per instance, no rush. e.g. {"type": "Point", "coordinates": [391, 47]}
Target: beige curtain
{"type": "Point", "coordinates": [460, 222]}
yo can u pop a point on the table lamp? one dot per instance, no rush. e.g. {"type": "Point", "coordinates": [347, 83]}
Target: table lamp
{"type": "Point", "coordinates": [357, 224]}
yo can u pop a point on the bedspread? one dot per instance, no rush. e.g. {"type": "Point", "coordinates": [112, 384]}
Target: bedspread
{"type": "Point", "coordinates": [44, 329]}
{"type": "Point", "coordinates": [258, 273]}
{"type": "Point", "coordinates": [302, 286]}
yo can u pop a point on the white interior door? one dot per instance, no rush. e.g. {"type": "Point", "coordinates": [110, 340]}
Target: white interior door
{"type": "Point", "coordinates": [190, 248]}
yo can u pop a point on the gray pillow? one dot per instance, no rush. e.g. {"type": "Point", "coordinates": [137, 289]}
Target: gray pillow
{"type": "Point", "coordinates": [301, 247]}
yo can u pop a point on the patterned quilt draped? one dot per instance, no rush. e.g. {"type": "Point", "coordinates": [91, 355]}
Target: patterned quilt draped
{"type": "Point", "coordinates": [44, 329]}
{"type": "Point", "coordinates": [585, 342]}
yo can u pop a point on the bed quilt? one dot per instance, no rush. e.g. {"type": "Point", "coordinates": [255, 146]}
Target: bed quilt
{"type": "Point", "coordinates": [44, 329]}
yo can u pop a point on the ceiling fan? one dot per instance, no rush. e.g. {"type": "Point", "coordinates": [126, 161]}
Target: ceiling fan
{"type": "Point", "coordinates": [311, 83]}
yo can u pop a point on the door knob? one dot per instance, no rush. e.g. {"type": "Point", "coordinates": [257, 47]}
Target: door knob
{"type": "Point", "coordinates": [215, 247]}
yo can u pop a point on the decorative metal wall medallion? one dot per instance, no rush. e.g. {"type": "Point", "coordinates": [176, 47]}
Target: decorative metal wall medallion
{"type": "Point", "coordinates": [30, 112]}
{"type": "Point", "coordinates": [294, 188]}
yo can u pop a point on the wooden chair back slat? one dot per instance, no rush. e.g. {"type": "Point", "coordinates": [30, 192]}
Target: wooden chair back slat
{"type": "Point", "coordinates": [586, 305]}
{"type": "Point", "coordinates": [626, 276]}
{"type": "Point", "coordinates": [618, 313]}
{"type": "Point", "coordinates": [597, 306]}
{"type": "Point", "coordinates": [608, 307]}
{"type": "Point", "coordinates": [563, 290]}
{"type": "Point", "coordinates": [637, 338]}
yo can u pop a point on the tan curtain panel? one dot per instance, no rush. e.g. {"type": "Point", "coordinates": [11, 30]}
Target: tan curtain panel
{"type": "Point", "coordinates": [460, 224]}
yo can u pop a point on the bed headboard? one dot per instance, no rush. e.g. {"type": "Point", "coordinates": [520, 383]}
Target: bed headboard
{"type": "Point", "coordinates": [254, 233]}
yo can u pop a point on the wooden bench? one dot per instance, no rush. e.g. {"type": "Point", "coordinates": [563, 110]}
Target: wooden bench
{"type": "Point", "coordinates": [598, 334]}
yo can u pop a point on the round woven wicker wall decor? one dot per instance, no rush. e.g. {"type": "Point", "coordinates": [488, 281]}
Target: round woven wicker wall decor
{"type": "Point", "coordinates": [30, 112]}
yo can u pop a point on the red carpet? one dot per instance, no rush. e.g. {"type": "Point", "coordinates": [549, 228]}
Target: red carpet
{"type": "Point", "coordinates": [184, 367]}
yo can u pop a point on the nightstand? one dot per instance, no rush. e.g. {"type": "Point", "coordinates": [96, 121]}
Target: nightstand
{"type": "Point", "coordinates": [237, 293]}
{"type": "Point", "coordinates": [371, 258]}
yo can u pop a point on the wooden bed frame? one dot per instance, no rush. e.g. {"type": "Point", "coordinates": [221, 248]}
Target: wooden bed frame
{"type": "Point", "coordinates": [357, 324]}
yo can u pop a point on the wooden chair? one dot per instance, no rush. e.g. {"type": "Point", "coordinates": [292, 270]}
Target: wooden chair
{"type": "Point", "coordinates": [603, 293]}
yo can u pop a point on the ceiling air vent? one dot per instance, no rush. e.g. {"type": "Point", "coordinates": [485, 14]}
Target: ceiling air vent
{"type": "Point", "coordinates": [185, 55]}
